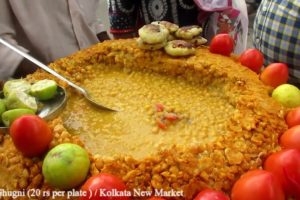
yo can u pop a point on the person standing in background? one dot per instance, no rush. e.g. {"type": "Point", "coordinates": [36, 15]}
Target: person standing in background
{"type": "Point", "coordinates": [47, 30]}
{"type": "Point", "coordinates": [215, 16]}
{"type": "Point", "coordinates": [126, 16]}
{"type": "Point", "coordinates": [277, 34]}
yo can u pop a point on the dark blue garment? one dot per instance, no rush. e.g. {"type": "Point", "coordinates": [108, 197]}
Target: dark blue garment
{"type": "Point", "coordinates": [129, 15]}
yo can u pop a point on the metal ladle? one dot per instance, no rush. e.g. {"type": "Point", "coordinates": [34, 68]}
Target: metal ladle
{"type": "Point", "coordinates": [57, 75]}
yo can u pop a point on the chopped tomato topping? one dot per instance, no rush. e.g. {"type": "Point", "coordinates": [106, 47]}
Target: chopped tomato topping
{"type": "Point", "coordinates": [161, 124]}
{"type": "Point", "coordinates": [171, 116]}
{"type": "Point", "coordinates": [165, 117]}
{"type": "Point", "coordinates": [159, 107]}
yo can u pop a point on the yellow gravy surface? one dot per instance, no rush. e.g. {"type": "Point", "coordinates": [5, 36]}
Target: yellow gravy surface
{"type": "Point", "coordinates": [135, 130]}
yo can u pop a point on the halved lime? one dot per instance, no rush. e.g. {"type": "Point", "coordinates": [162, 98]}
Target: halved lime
{"type": "Point", "coordinates": [19, 99]}
{"type": "Point", "coordinates": [44, 89]}
{"type": "Point", "coordinates": [16, 85]}
{"type": "Point", "coordinates": [11, 115]}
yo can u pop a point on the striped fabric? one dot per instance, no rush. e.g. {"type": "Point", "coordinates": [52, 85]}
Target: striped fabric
{"type": "Point", "coordinates": [277, 34]}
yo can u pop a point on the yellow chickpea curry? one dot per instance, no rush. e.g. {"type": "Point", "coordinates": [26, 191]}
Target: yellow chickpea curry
{"type": "Point", "coordinates": [156, 112]}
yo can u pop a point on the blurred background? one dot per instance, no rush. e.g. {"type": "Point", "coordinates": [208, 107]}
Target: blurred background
{"type": "Point", "coordinates": [252, 6]}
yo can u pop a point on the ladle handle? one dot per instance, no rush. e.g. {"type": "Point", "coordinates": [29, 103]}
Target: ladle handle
{"type": "Point", "coordinates": [43, 66]}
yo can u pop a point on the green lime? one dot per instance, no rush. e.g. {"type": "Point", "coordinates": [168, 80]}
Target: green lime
{"type": "Point", "coordinates": [9, 116]}
{"type": "Point", "coordinates": [16, 85]}
{"type": "Point", "coordinates": [2, 107]}
{"type": "Point", "coordinates": [44, 89]}
{"type": "Point", "coordinates": [19, 99]}
{"type": "Point", "coordinates": [66, 166]}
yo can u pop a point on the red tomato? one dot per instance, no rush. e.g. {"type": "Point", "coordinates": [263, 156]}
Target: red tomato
{"type": "Point", "coordinates": [293, 117]}
{"type": "Point", "coordinates": [286, 166]}
{"type": "Point", "coordinates": [291, 138]}
{"type": "Point", "coordinates": [253, 59]}
{"type": "Point", "coordinates": [31, 135]}
{"type": "Point", "coordinates": [257, 185]}
{"type": "Point", "coordinates": [275, 74]}
{"type": "Point", "coordinates": [104, 187]}
{"type": "Point", "coordinates": [222, 44]}
{"type": "Point", "coordinates": [209, 194]}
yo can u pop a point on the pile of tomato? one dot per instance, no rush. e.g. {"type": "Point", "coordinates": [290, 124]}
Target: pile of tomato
{"type": "Point", "coordinates": [273, 75]}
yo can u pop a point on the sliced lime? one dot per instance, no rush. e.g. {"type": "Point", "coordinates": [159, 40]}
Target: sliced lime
{"type": "Point", "coordinates": [11, 115]}
{"type": "Point", "coordinates": [44, 89]}
{"type": "Point", "coordinates": [19, 99]}
{"type": "Point", "coordinates": [2, 107]}
{"type": "Point", "coordinates": [16, 85]}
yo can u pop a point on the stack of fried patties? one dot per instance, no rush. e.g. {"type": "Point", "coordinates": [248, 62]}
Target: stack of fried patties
{"type": "Point", "coordinates": [176, 41]}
